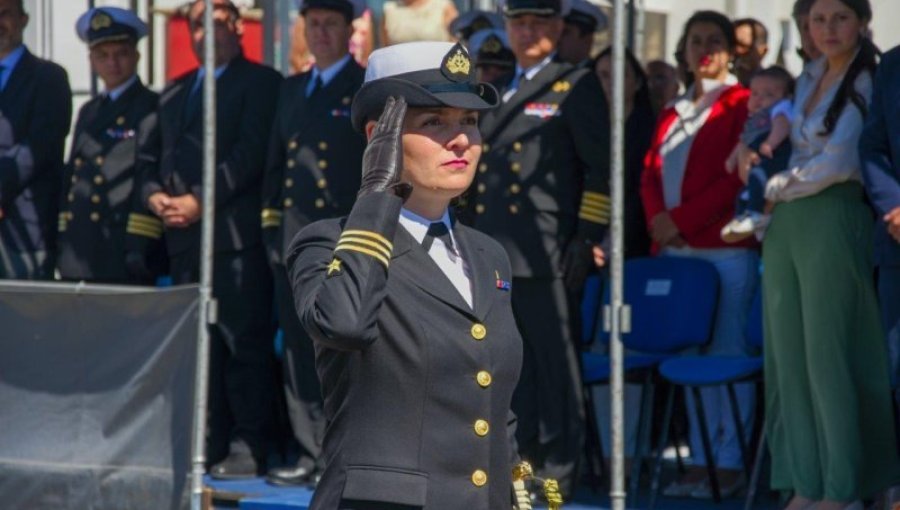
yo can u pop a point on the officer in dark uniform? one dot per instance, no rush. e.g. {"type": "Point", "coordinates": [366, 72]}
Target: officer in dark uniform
{"type": "Point", "coordinates": [542, 190]}
{"type": "Point", "coordinates": [36, 108]}
{"type": "Point", "coordinates": [577, 39]}
{"type": "Point", "coordinates": [416, 344]}
{"type": "Point", "coordinates": [98, 182]}
{"type": "Point", "coordinates": [242, 386]}
{"type": "Point", "coordinates": [312, 173]}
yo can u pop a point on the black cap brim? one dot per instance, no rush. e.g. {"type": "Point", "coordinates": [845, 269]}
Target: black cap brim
{"type": "Point", "coordinates": [370, 100]}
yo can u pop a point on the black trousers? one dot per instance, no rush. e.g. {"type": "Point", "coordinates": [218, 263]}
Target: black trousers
{"type": "Point", "coordinates": [548, 400]}
{"type": "Point", "coordinates": [241, 379]}
{"type": "Point", "coordinates": [302, 390]}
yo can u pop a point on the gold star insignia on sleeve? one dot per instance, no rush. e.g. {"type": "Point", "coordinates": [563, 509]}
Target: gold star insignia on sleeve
{"type": "Point", "coordinates": [334, 266]}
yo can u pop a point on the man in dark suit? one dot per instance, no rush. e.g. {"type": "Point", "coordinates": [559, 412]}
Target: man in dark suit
{"type": "Point", "coordinates": [542, 191]}
{"type": "Point", "coordinates": [312, 173]}
{"type": "Point", "coordinates": [242, 386]}
{"type": "Point", "coordinates": [36, 106]}
{"type": "Point", "coordinates": [98, 182]}
{"type": "Point", "coordinates": [880, 155]}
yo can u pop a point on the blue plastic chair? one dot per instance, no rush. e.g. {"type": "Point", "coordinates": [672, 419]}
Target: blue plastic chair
{"type": "Point", "coordinates": [695, 372]}
{"type": "Point", "coordinates": [673, 303]}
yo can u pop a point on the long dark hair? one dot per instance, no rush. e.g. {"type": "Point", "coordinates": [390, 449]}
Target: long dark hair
{"type": "Point", "coordinates": [865, 60]}
{"type": "Point", "coordinates": [642, 94]}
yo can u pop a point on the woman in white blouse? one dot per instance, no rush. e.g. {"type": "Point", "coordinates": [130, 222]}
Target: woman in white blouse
{"type": "Point", "coordinates": [829, 420]}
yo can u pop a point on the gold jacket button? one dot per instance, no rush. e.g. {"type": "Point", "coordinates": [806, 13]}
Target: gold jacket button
{"type": "Point", "coordinates": [321, 183]}
{"type": "Point", "coordinates": [484, 378]}
{"type": "Point", "coordinates": [323, 146]}
{"type": "Point", "coordinates": [515, 166]}
{"type": "Point", "coordinates": [517, 147]}
{"type": "Point", "coordinates": [288, 182]}
{"type": "Point", "coordinates": [120, 121]}
{"type": "Point", "coordinates": [78, 162]}
{"type": "Point", "coordinates": [482, 167]}
{"type": "Point", "coordinates": [323, 164]}
{"type": "Point", "coordinates": [479, 208]}
{"type": "Point", "coordinates": [95, 217]}
{"type": "Point", "coordinates": [291, 163]}
{"type": "Point", "coordinates": [478, 331]}
{"type": "Point", "coordinates": [74, 179]}
{"type": "Point", "coordinates": [481, 428]}
{"type": "Point", "coordinates": [98, 160]}
{"type": "Point", "coordinates": [320, 203]}
{"type": "Point", "coordinates": [288, 202]}
{"type": "Point", "coordinates": [292, 145]}
{"type": "Point", "coordinates": [98, 180]}
{"type": "Point", "coordinates": [513, 209]}
{"type": "Point", "coordinates": [481, 187]}
{"type": "Point", "coordinates": [479, 478]}
{"type": "Point", "coordinates": [485, 147]}
{"type": "Point", "coordinates": [71, 197]}
{"type": "Point", "coordinates": [95, 199]}
{"type": "Point", "coordinates": [514, 188]}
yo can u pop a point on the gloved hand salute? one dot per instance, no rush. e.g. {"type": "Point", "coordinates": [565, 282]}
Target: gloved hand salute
{"type": "Point", "coordinates": [383, 158]}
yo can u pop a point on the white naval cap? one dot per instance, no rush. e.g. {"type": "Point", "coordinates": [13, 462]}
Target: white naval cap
{"type": "Point", "coordinates": [423, 73]}
{"type": "Point", "coordinates": [109, 24]}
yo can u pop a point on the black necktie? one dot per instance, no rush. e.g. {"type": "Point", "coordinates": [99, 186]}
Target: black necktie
{"type": "Point", "coordinates": [440, 231]}
{"type": "Point", "coordinates": [317, 86]}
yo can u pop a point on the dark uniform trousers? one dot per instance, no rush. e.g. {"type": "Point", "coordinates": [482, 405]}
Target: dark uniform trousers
{"type": "Point", "coordinates": [37, 102]}
{"type": "Point", "coordinates": [417, 383]}
{"type": "Point", "coordinates": [242, 385]}
{"type": "Point", "coordinates": [543, 185]}
{"type": "Point", "coordinates": [101, 217]}
{"type": "Point", "coordinates": [312, 173]}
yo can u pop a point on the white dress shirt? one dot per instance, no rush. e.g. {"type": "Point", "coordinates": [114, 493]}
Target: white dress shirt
{"type": "Point", "coordinates": [449, 260]}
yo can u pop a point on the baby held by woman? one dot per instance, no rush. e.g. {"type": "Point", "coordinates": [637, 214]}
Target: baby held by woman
{"type": "Point", "coordinates": [764, 150]}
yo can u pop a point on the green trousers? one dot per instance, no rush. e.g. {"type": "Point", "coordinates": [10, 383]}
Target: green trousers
{"type": "Point", "coordinates": [829, 416]}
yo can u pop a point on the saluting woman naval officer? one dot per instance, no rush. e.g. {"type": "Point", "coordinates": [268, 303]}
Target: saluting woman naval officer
{"type": "Point", "coordinates": [416, 345]}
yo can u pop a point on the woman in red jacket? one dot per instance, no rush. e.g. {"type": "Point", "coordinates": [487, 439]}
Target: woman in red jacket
{"type": "Point", "coordinates": [688, 197]}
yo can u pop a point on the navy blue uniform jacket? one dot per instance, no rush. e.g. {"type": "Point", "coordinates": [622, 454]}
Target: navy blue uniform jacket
{"type": "Point", "coordinates": [417, 385]}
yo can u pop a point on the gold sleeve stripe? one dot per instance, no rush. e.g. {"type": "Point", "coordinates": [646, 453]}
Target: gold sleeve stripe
{"type": "Point", "coordinates": [271, 223]}
{"type": "Point", "coordinates": [270, 214]}
{"type": "Point", "coordinates": [594, 210]}
{"type": "Point", "coordinates": [140, 231]}
{"type": "Point", "coordinates": [371, 235]}
{"type": "Point", "coordinates": [146, 218]}
{"type": "Point", "coordinates": [593, 218]}
{"type": "Point", "coordinates": [593, 195]}
{"type": "Point", "coordinates": [63, 223]}
{"type": "Point", "coordinates": [595, 201]}
{"type": "Point", "coordinates": [365, 242]}
{"type": "Point", "coordinates": [366, 251]}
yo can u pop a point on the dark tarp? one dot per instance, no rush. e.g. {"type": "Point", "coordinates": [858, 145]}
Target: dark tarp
{"type": "Point", "coordinates": [96, 396]}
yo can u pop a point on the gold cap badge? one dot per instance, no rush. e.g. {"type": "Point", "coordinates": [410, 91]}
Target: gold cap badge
{"type": "Point", "coordinates": [100, 21]}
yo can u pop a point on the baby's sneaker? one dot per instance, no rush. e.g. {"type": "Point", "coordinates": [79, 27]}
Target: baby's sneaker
{"type": "Point", "coordinates": [745, 225]}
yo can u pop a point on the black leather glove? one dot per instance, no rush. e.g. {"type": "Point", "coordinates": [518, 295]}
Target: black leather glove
{"type": "Point", "coordinates": [383, 158]}
{"type": "Point", "coordinates": [136, 266]}
{"type": "Point", "coordinates": [577, 262]}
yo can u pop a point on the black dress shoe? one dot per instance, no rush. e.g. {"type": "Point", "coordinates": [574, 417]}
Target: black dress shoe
{"type": "Point", "coordinates": [237, 466]}
{"type": "Point", "coordinates": [291, 476]}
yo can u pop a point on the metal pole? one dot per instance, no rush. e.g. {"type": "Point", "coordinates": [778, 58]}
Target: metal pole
{"type": "Point", "coordinates": [619, 312]}
{"type": "Point", "coordinates": [207, 302]}
{"type": "Point", "coordinates": [637, 46]}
